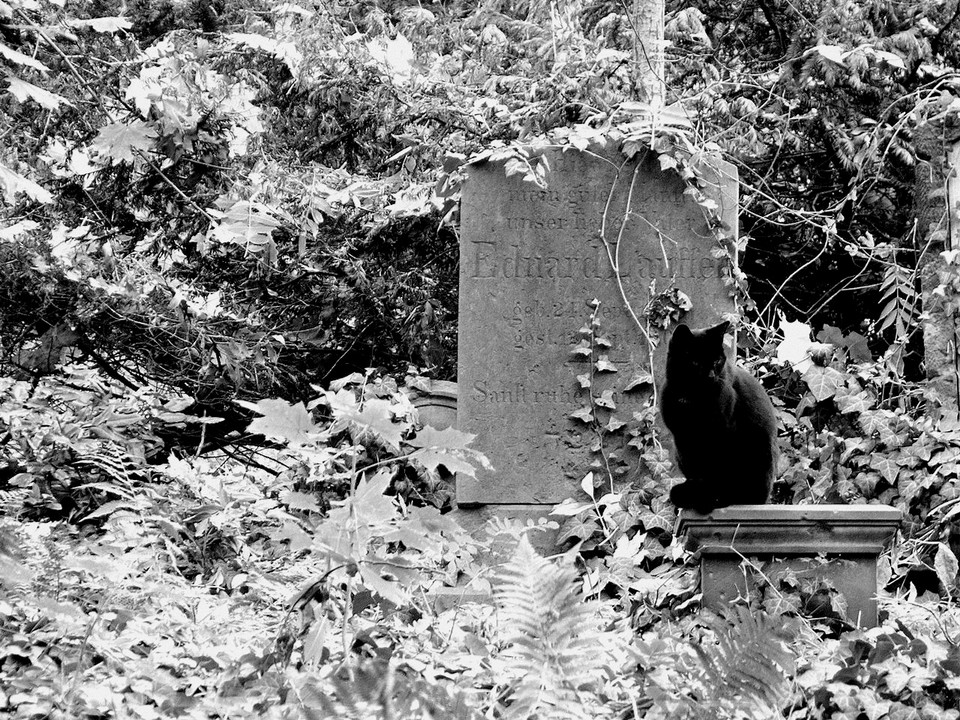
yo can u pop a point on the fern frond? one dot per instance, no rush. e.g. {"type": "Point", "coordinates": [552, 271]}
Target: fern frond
{"type": "Point", "coordinates": [900, 301]}
{"type": "Point", "coordinates": [750, 659]}
{"type": "Point", "coordinates": [547, 626]}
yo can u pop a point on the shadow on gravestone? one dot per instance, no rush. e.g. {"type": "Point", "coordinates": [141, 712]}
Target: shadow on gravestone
{"type": "Point", "coordinates": [531, 262]}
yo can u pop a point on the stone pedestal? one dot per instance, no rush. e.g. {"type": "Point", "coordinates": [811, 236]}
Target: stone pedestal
{"type": "Point", "coordinates": [435, 401]}
{"type": "Point", "coordinates": [851, 537]}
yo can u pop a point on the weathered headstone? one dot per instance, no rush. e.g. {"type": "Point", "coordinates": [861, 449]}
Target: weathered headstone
{"type": "Point", "coordinates": [531, 261]}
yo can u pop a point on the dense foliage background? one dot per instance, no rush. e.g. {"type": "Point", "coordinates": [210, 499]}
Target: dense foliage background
{"type": "Point", "coordinates": [228, 226]}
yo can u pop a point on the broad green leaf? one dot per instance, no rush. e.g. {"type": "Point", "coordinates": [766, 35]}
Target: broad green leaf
{"type": "Point", "coordinates": [570, 507]}
{"type": "Point", "coordinates": [300, 501]}
{"type": "Point", "coordinates": [12, 232]}
{"type": "Point", "coordinates": [444, 447]}
{"type": "Point", "coordinates": [23, 91]}
{"type": "Point", "coordinates": [122, 143]}
{"type": "Point", "coordinates": [945, 563]}
{"type": "Point", "coordinates": [386, 589]}
{"type": "Point", "coordinates": [795, 346]}
{"type": "Point", "coordinates": [294, 534]}
{"type": "Point", "coordinates": [284, 51]}
{"type": "Point", "coordinates": [250, 224]}
{"type": "Point", "coordinates": [587, 484]}
{"type": "Point", "coordinates": [396, 56]}
{"type": "Point", "coordinates": [102, 24]}
{"type": "Point", "coordinates": [833, 53]}
{"type": "Point", "coordinates": [283, 421]}
{"type": "Point", "coordinates": [11, 184]}
{"type": "Point", "coordinates": [443, 440]}
{"type": "Point", "coordinates": [17, 57]}
{"type": "Point", "coordinates": [377, 418]}
{"type": "Point", "coordinates": [584, 380]}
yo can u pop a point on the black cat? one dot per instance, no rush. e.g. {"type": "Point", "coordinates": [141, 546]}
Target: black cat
{"type": "Point", "coordinates": [722, 421]}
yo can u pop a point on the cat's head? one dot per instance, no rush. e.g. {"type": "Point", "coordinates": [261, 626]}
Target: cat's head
{"type": "Point", "coordinates": [697, 353]}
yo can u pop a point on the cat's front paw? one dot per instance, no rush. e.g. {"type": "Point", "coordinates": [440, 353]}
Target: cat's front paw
{"type": "Point", "coordinates": [687, 495]}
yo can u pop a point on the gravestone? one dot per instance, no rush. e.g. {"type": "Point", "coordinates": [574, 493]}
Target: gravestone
{"type": "Point", "coordinates": [531, 262]}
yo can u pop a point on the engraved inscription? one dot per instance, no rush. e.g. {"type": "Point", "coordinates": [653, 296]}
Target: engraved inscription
{"type": "Point", "coordinates": [490, 262]}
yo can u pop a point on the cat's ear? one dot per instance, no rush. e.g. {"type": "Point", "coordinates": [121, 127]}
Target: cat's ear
{"type": "Point", "coordinates": [721, 329]}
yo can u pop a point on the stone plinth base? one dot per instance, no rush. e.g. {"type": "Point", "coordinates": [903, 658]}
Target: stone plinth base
{"type": "Point", "coordinates": [850, 536]}
{"type": "Point", "coordinates": [473, 519]}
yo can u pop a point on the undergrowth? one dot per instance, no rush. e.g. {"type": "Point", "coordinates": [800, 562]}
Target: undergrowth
{"type": "Point", "coordinates": [307, 587]}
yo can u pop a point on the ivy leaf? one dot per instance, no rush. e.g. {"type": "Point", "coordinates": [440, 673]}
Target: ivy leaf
{"type": "Point", "coordinates": [876, 422]}
{"type": "Point", "coordinates": [640, 379]}
{"type": "Point", "coordinates": [584, 414]}
{"type": "Point", "coordinates": [947, 455]}
{"type": "Point", "coordinates": [667, 162]}
{"type": "Point", "coordinates": [283, 421]}
{"type": "Point", "coordinates": [945, 563]}
{"type": "Point", "coordinates": [582, 349]}
{"type": "Point", "coordinates": [584, 380]}
{"type": "Point", "coordinates": [822, 381]}
{"type": "Point", "coordinates": [887, 466]}
{"type": "Point", "coordinates": [606, 400]}
{"type": "Point", "coordinates": [657, 461]}
{"type": "Point", "coordinates": [613, 424]}
{"type": "Point", "coordinates": [661, 520]}
{"type": "Point", "coordinates": [852, 402]}
{"type": "Point", "coordinates": [578, 528]}
{"type": "Point", "coordinates": [120, 142]}
{"type": "Point", "coordinates": [570, 507]}
{"type": "Point", "coordinates": [604, 365]}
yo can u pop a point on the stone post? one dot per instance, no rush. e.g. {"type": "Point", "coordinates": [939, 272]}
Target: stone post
{"type": "Point", "coordinates": [648, 16]}
{"type": "Point", "coordinates": [793, 537]}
